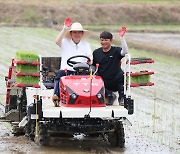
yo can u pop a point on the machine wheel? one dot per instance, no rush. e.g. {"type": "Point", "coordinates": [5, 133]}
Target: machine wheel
{"type": "Point", "coordinates": [116, 138]}
{"type": "Point", "coordinates": [43, 138]}
{"type": "Point", "coordinates": [29, 131]}
{"type": "Point", "coordinates": [16, 130]}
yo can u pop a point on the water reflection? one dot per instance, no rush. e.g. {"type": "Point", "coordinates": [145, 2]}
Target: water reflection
{"type": "Point", "coordinates": [156, 118]}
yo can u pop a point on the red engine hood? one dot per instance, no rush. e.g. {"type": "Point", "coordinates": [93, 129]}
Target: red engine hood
{"type": "Point", "coordinates": [81, 84]}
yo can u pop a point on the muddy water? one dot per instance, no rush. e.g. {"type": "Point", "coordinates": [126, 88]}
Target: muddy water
{"type": "Point", "coordinates": [158, 121]}
{"type": "Point", "coordinates": [161, 39]}
{"type": "Point", "coordinates": [157, 108]}
{"type": "Point", "coordinates": [135, 143]}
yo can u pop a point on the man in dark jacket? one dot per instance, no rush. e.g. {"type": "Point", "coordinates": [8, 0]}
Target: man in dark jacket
{"type": "Point", "coordinates": [109, 59]}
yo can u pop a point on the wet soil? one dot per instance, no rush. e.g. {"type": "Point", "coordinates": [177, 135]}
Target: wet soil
{"type": "Point", "coordinates": [166, 44]}
{"type": "Point", "coordinates": [135, 143]}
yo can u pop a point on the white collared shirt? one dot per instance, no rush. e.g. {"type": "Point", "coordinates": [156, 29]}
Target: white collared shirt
{"type": "Point", "coordinates": [69, 49]}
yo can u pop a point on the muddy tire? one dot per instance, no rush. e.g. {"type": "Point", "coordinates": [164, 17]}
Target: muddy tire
{"type": "Point", "coordinates": [116, 138]}
{"type": "Point", "coordinates": [16, 131]}
{"type": "Point", "coordinates": [42, 139]}
{"type": "Point", "coordinates": [29, 131]}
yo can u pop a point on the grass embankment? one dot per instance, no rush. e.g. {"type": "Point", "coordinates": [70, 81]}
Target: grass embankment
{"type": "Point", "coordinates": [95, 12]}
{"type": "Point", "coordinates": [136, 28]}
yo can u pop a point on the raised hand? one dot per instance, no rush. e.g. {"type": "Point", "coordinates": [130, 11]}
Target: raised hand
{"type": "Point", "coordinates": [122, 31]}
{"type": "Point", "coordinates": [67, 23]}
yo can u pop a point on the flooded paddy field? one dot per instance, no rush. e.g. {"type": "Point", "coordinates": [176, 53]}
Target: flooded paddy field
{"type": "Point", "coordinates": [135, 143]}
{"type": "Point", "coordinates": [155, 122]}
{"type": "Point", "coordinates": [157, 108]}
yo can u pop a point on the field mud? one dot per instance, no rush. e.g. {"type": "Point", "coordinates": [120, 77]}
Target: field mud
{"type": "Point", "coordinates": [135, 143]}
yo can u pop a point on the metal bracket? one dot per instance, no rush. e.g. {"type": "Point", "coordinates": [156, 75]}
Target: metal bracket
{"type": "Point", "coordinates": [126, 121]}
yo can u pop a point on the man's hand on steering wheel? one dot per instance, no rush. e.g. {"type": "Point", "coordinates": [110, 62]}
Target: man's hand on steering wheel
{"type": "Point", "coordinates": [89, 61]}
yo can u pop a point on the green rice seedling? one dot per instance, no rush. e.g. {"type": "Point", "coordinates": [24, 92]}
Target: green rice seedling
{"type": "Point", "coordinates": [134, 79]}
{"type": "Point", "coordinates": [29, 80]}
{"type": "Point", "coordinates": [29, 56]}
{"type": "Point", "coordinates": [144, 78]}
{"type": "Point", "coordinates": [27, 68]}
{"type": "Point", "coordinates": [141, 79]}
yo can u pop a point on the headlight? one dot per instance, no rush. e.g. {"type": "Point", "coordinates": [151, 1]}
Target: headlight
{"type": "Point", "coordinates": [74, 96]}
{"type": "Point", "coordinates": [99, 95]}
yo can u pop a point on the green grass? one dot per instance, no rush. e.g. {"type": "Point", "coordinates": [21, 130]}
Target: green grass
{"type": "Point", "coordinates": [6, 20]}
{"type": "Point", "coordinates": [39, 40]}
{"type": "Point", "coordinates": [107, 1]}
{"type": "Point", "coordinates": [40, 33]}
{"type": "Point", "coordinates": [31, 15]}
{"type": "Point", "coordinates": [134, 27]}
{"type": "Point", "coordinates": [155, 27]}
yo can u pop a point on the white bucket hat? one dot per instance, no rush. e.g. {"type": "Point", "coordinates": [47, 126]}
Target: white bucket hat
{"type": "Point", "coordinates": [76, 26]}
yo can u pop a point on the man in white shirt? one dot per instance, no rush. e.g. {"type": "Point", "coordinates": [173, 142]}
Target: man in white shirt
{"type": "Point", "coordinates": [71, 42]}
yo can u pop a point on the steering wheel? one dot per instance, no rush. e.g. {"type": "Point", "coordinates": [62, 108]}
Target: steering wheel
{"type": "Point", "coordinates": [79, 67]}
{"type": "Point", "coordinates": [71, 63]}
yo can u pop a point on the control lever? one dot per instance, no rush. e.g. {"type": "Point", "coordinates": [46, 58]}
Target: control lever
{"type": "Point", "coordinates": [97, 66]}
{"type": "Point", "coordinates": [65, 70]}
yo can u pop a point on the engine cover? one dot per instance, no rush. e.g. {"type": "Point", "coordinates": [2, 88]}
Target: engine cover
{"type": "Point", "coordinates": [82, 91]}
